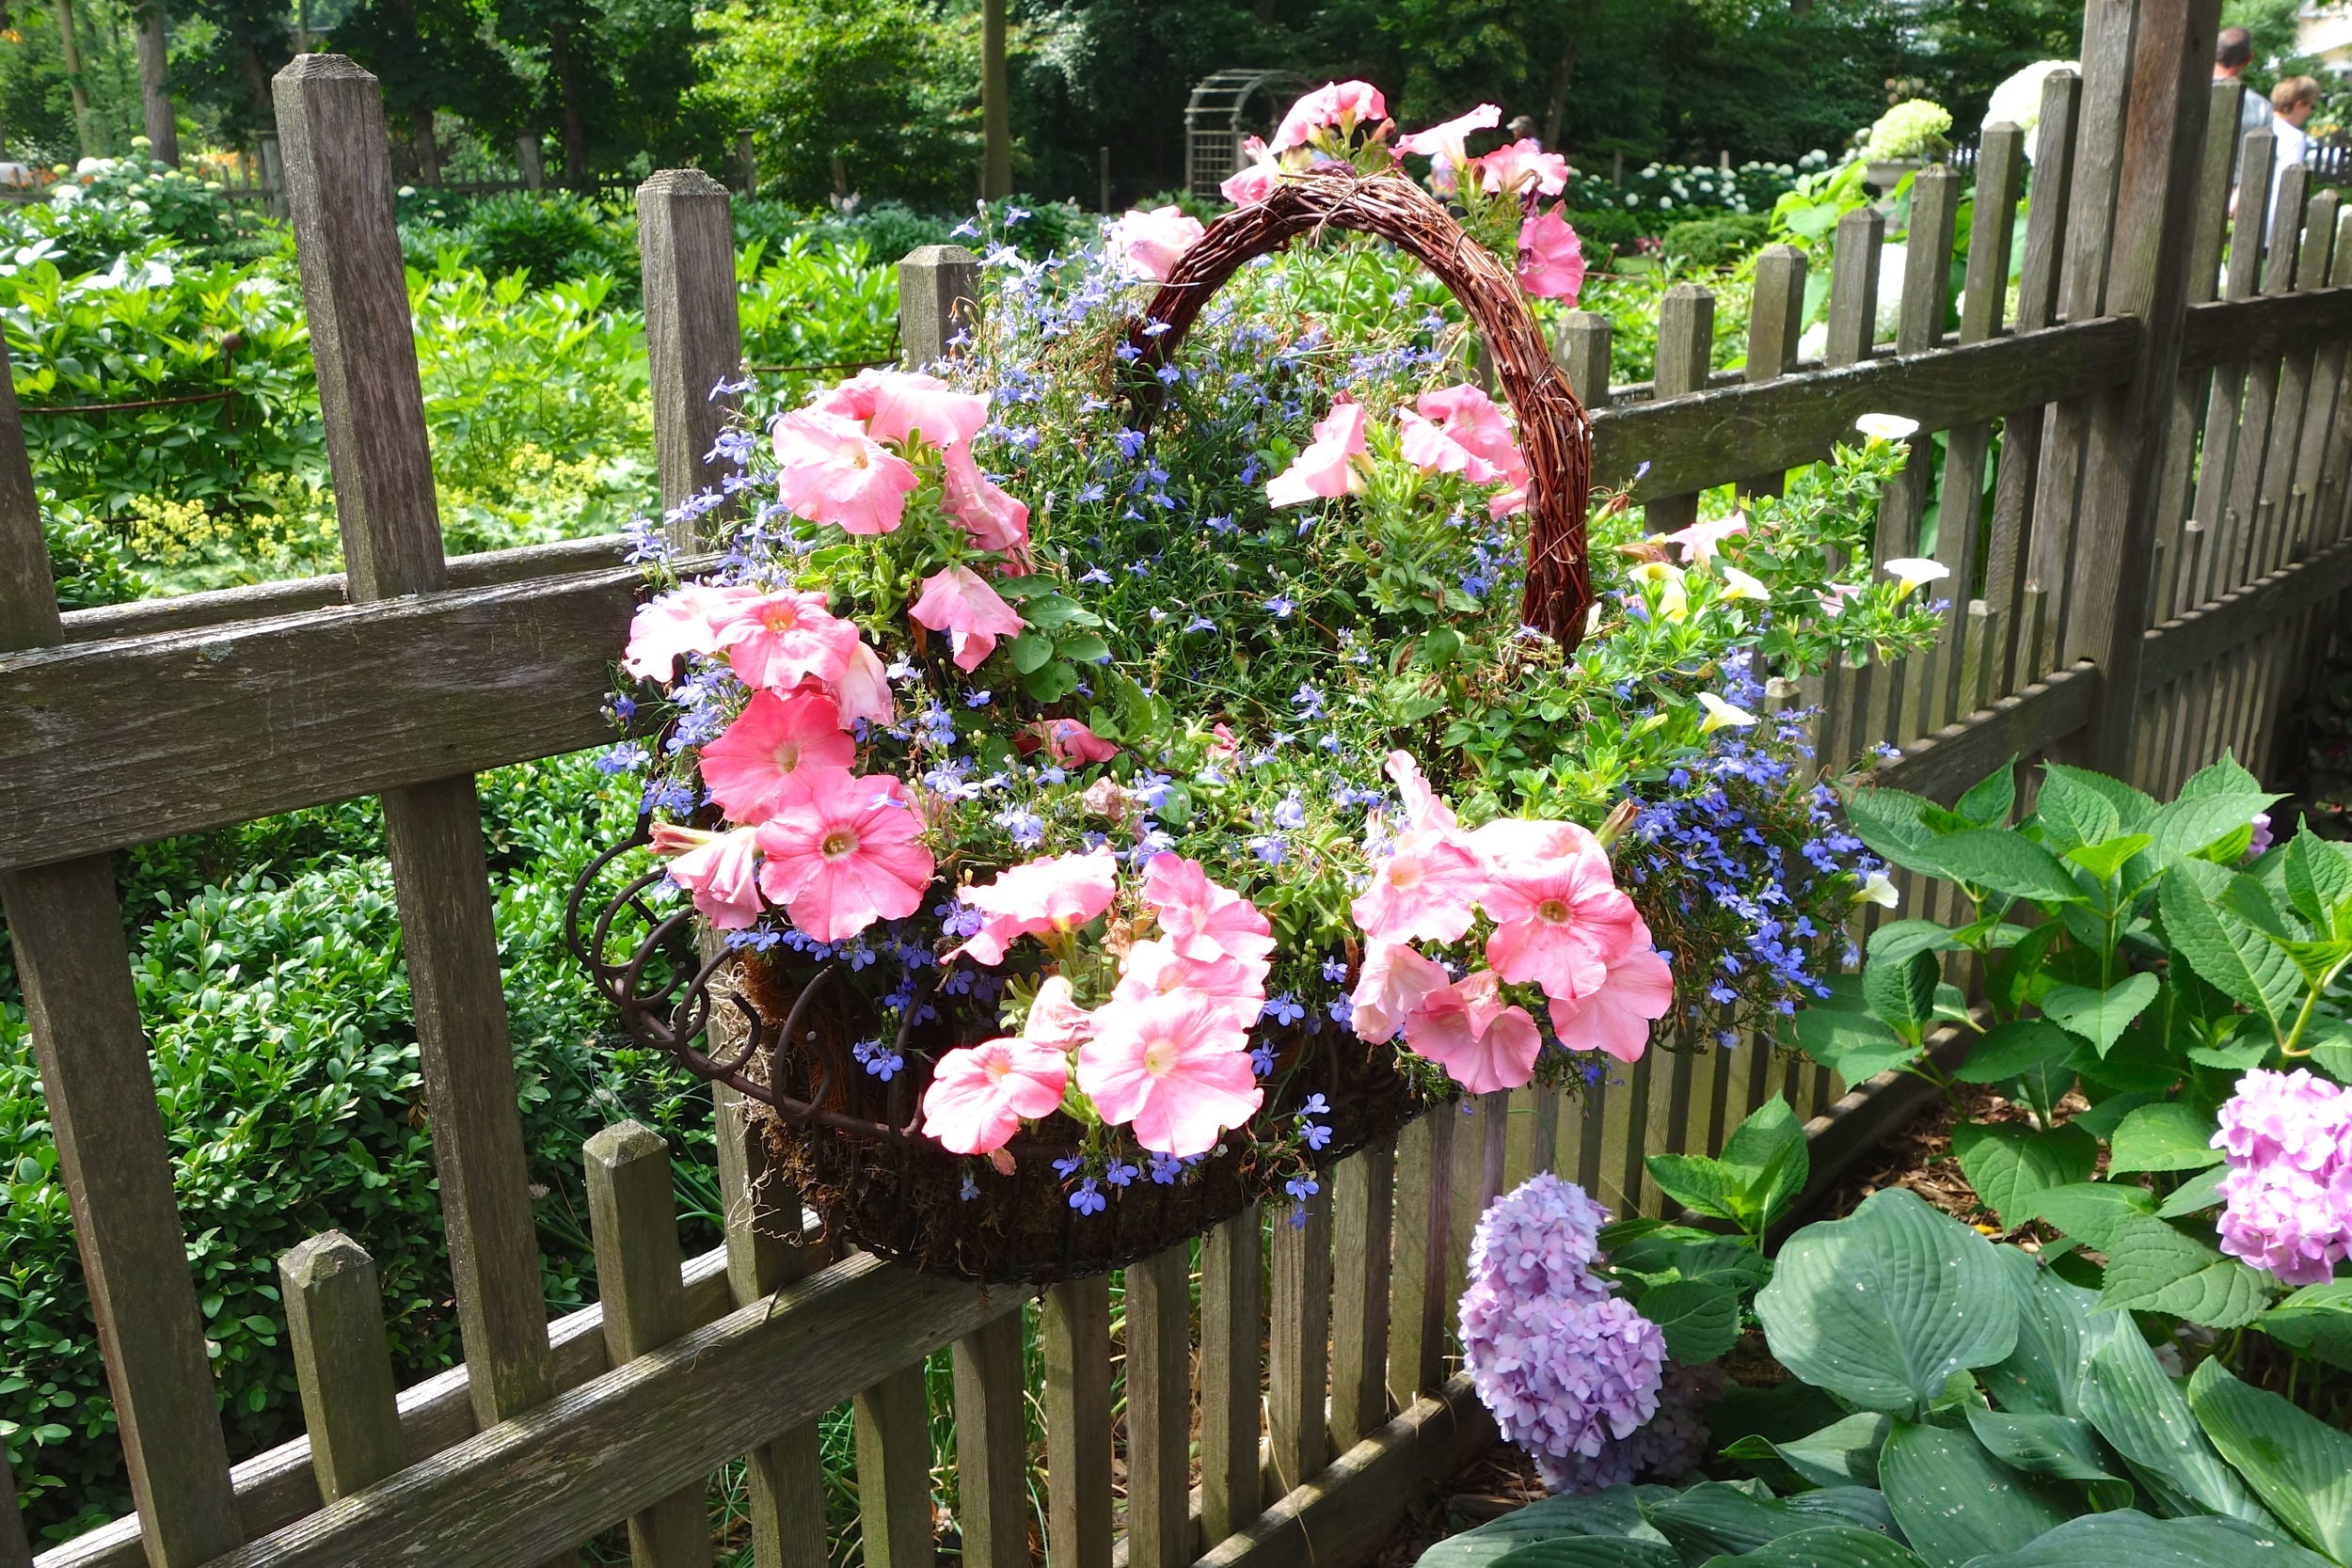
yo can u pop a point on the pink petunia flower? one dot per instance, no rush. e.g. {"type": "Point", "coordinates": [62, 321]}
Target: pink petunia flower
{"type": "Point", "coordinates": [894, 404]}
{"type": "Point", "coordinates": [1252, 183]}
{"type": "Point", "coordinates": [779, 639]}
{"type": "Point", "coordinates": [1448, 138]}
{"type": "Point", "coordinates": [1430, 449]}
{"type": "Point", "coordinates": [684, 621]}
{"type": "Point", "coordinates": [1509, 841]}
{"type": "Point", "coordinates": [1068, 740]}
{"type": "Point", "coordinates": [759, 760]}
{"type": "Point", "coordinates": [992, 518]}
{"type": "Point", "coordinates": [845, 852]}
{"type": "Point", "coordinates": [1231, 982]}
{"type": "Point", "coordinates": [1552, 258]}
{"type": "Point", "coordinates": [863, 689]}
{"type": "Point", "coordinates": [971, 612]}
{"type": "Point", "coordinates": [717, 869]}
{"type": "Point", "coordinates": [1059, 893]}
{"type": "Point", "coordinates": [1054, 1017]}
{"type": "Point", "coordinates": [1325, 468]}
{"type": "Point", "coordinates": [1560, 922]}
{"type": "Point", "coordinates": [1395, 980]}
{"type": "Point", "coordinates": [1523, 162]}
{"type": "Point", "coordinates": [1614, 1017]}
{"type": "Point", "coordinates": [1701, 542]}
{"type": "Point", "coordinates": [1474, 422]}
{"type": "Point", "coordinates": [1202, 919]}
{"type": "Point", "coordinates": [1344, 105]}
{"type": "Point", "coordinates": [980, 1095]}
{"type": "Point", "coordinates": [1465, 1028]}
{"type": "Point", "coordinates": [1149, 244]}
{"type": "Point", "coordinates": [1176, 1068]}
{"type": "Point", "coordinates": [831, 472]}
{"type": "Point", "coordinates": [1424, 891]}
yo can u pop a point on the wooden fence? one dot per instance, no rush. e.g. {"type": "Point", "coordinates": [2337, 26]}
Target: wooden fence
{"type": "Point", "coordinates": [2160, 420]}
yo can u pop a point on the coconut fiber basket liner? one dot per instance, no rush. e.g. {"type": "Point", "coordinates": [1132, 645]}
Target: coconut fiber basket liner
{"type": "Point", "coordinates": [781, 1030]}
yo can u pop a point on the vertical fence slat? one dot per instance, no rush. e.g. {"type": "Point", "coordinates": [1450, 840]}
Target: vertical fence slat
{"type": "Point", "coordinates": [1362, 1197]}
{"type": "Point", "coordinates": [2226, 391]}
{"type": "Point", "coordinates": [991, 1448]}
{"type": "Point", "coordinates": [1775, 322]}
{"type": "Point", "coordinates": [2311, 468]}
{"type": "Point", "coordinates": [1920, 327]}
{"type": "Point", "coordinates": [1077, 1333]}
{"type": "Point", "coordinates": [1853, 286]}
{"type": "Point", "coordinates": [1685, 338]}
{"type": "Point", "coordinates": [2296, 389]}
{"type": "Point", "coordinates": [632, 1219]}
{"type": "Point", "coordinates": [2264, 387]}
{"type": "Point", "coordinates": [1417, 1305]}
{"type": "Point", "coordinates": [694, 337]}
{"type": "Point", "coordinates": [1232, 1312]}
{"type": "Point", "coordinates": [1159, 1410]}
{"type": "Point", "coordinates": [342, 1363]}
{"type": "Point", "coordinates": [1298, 1342]}
{"type": "Point", "coordinates": [1582, 350]}
{"type": "Point", "coordinates": [330, 119]}
{"type": "Point", "coordinates": [892, 1420]}
{"type": "Point", "coordinates": [2207, 240]}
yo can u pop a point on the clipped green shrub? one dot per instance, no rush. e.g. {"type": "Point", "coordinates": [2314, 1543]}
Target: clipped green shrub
{"type": "Point", "coordinates": [1714, 241]}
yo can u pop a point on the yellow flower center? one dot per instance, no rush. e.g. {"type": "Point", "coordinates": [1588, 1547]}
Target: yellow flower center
{"type": "Point", "coordinates": [787, 755]}
{"type": "Point", "coordinates": [997, 1065]}
{"type": "Point", "coordinates": [1159, 1058]}
{"type": "Point", "coordinates": [780, 618]}
{"type": "Point", "coordinates": [1403, 874]}
{"type": "Point", "coordinates": [837, 843]}
{"type": "Point", "coordinates": [1553, 911]}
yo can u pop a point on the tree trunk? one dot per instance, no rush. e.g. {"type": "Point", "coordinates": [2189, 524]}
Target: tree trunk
{"type": "Point", "coordinates": [72, 52]}
{"type": "Point", "coordinates": [428, 149]}
{"type": "Point", "coordinates": [574, 129]}
{"type": "Point", "coordinates": [163, 120]}
{"type": "Point", "coordinates": [255, 76]}
{"type": "Point", "coordinates": [1556, 104]}
{"type": "Point", "coordinates": [995, 114]}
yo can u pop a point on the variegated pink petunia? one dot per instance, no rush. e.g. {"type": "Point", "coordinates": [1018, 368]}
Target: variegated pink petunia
{"type": "Point", "coordinates": [780, 640]}
{"type": "Point", "coordinates": [844, 852]}
{"type": "Point", "coordinates": [1481, 1044]}
{"type": "Point", "coordinates": [1615, 1016]}
{"type": "Point", "coordinates": [980, 1094]}
{"type": "Point", "coordinates": [760, 759]}
{"type": "Point", "coordinates": [718, 869]}
{"type": "Point", "coordinates": [830, 471]}
{"type": "Point", "coordinates": [1055, 893]}
{"type": "Point", "coordinates": [1175, 1067]}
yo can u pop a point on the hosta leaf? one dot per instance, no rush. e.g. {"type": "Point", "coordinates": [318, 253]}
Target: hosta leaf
{"type": "Point", "coordinates": [2057, 1448]}
{"type": "Point", "coordinates": [2044, 1372]}
{"type": "Point", "coordinates": [2168, 1136]}
{"type": "Point", "coordinates": [2090, 1212]}
{"type": "Point", "coordinates": [2130, 1539]}
{"type": "Point", "coordinates": [1955, 1502]}
{"type": "Point", "coordinates": [2101, 1016]}
{"type": "Point", "coordinates": [1831, 1547]}
{"type": "Point", "coordinates": [2243, 964]}
{"type": "Point", "coordinates": [1844, 1453]}
{"type": "Point", "coordinates": [1610, 1513]}
{"type": "Point", "coordinates": [2143, 1417]}
{"type": "Point", "coordinates": [1592, 1551]}
{"type": "Point", "coordinates": [1721, 1517]}
{"type": "Point", "coordinates": [2300, 1465]}
{"type": "Point", "coordinates": [2007, 1163]}
{"type": "Point", "coordinates": [2008, 1050]}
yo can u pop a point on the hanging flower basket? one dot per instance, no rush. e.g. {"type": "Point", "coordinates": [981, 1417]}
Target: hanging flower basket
{"type": "Point", "coordinates": [1057, 895]}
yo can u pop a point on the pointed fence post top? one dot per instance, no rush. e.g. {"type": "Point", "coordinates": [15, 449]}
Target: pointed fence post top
{"type": "Point", "coordinates": [939, 293]}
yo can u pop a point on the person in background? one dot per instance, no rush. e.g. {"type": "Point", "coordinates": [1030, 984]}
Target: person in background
{"type": "Point", "coordinates": [2232, 51]}
{"type": "Point", "coordinates": [1523, 128]}
{"type": "Point", "coordinates": [2291, 104]}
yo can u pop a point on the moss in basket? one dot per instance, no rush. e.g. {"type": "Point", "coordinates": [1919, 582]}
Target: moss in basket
{"type": "Point", "coordinates": [1173, 664]}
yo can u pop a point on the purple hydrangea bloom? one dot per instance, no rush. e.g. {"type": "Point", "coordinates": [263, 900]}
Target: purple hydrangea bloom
{"type": "Point", "coordinates": [2287, 1193]}
{"type": "Point", "coordinates": [1673, 1444]}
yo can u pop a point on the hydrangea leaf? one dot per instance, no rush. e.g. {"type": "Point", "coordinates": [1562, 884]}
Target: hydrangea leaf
{"type": "Point", "coordinates": [2240, 963]}
{"type": "Point", "coordinates": [2005, 863]}
{"type": "Point", "coordinates": [2169, 1136]}
{"type": "Point", "coordinates": [2133, 807]}
{"type": "Point", "coordinates": [2103, 859]}
{"type": "Point", "coordinates": [2194, 823]}
{"type": "Point", "coordinates": [1955, 1502]}
{"type": "Point", "coordinates": [2089, 1212]}
{"type": "Point", "coordinates": [1883, 1307]}
{"type": "Point", "coordinates": [2317, 877]}
{"type": "Point", "coordinates": [1771, 1144]}
{"type": "Point", "coordinates": [2316, 1320]}
{"type": "Point", "coordinates": [2008, 1050]}
{"type": "Point", "coordinates": [1901, 992]}
{"type": "Point", "coordinates": [2331, 1052]}
{"type": "Point", "coordinates": [2008, 1163]}
{"type": "Point", "coordinates": [2152, 1267]}
{"type": "Point", "coordinates": [2144, 1417]}
{"type": "Point", "coordinates": [1699, 1318]}
{"type": "Point", "coordinates": [2299, 1465]}
{"type": "Point", "coordinates": [1898, 939]}
{"type": "Point", "coordinates": [1889, 822]}
{"type": "Point", "coordinates": [2102, 1119]}
{"type": "Point", "coordinates": [2101, 1016]}
{"type": "Point", "coordinates": [2198, 1193]}
{"type": "Point", "coordinates": [1855, 1045]}
{"type": "Point", "coordinates": [1990, 800]}
{"type": "Point", "coordinates": [1702, 1185]}
{"type": "Point", "coordinates": [2072, 813]}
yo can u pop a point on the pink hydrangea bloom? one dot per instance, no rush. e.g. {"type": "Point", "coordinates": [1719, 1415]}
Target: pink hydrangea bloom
{"type": "Point", "coordinates": [1465, 1028]}
{"type": "Point", "coordinates": [971, 612]}
{"type": "Point", "coordinates": [863, 689]}
{"type": "Point", "coordinates": [759, 760]}
{"type": "Point", "coordinates": [684, 621]}
{"type": "Point", "coordinates": [717, 869]}
{"type": "Point", "coordinates": [1560, 922]}
{"type": "Point", "coordinates": [1344, 105]}
{"type": "Point", "coordinates": [980, 1095]}
{"type": "Point", "coordinates": [845, 852]}
{"type": "Point", "coordinates": [1614, 1017]}
{"type": "Point", "coordinates": [1513, 168]}
{"type": "Point", "coordinates": [1059, 893]}
{"type": "Point", "coordinates": [1540, 1238]}
{"type": "Point", "coordinates": [1067, 740]}
{"type": "Point", "coordinates": [1149, 244]}
{"type": "Point", "coordinates": [1326, 468]}
{"type": "Point", "coordinates": [1232, 983]}
{"type": "Point", "coordinates": [1552, 258]}
{"type": "Point", "coordinates": [1447, 138]}
{"type": "Point", "coordinates": [1202, 919]}
{"type": "Point", "coordinates": [1176, 1068]}
{"type": "Point", "coordinates": [992, 518]}
{"type": "Point", "coordinates": [1395, 980]}
{"type": "Point", "coordinates": [1673, 1443]}
{"type": "Point", "coordinates": [779, 639]}
{"type": "Point", "coordinates": [828, 471]}
{"type": "Point", "coordinates": [2287, 1193]}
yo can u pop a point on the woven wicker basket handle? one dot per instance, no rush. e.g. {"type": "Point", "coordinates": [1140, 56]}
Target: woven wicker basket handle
{"type": "Point", "coordinates": [1554, 432]}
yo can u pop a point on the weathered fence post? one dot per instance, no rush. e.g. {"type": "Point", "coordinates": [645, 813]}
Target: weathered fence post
{"type": "Point", "coordinates": [338, 177]}
{"type": "Point", "coordinates": [939, 293]}
{"type": "Point", "coordinates": [1159, 1410]}
{"type": "Point", "coordinates": [1417, 1304]}
{"type": "Point", "coordinates": [1582, 349]}
{"type": "Point", "coordinates": [73, 964]}
{"type": "Point", "coordinates": [694, 337]}
{"type": "Point", "coordinates": [1077, 1330]}
{"type": "Point", "coordinates": [894, 1470]}
{"type": "Point", "coordinates": [343, 1362]}
{"type": "Point", "coordinates": [1775, 322]}
{"type": "Point", "coordinates": [991, 1448]}
{"type": "Point", "coordinates": [274, 174]}
{"type": "Point", "coordinates": [1232, 1310]}
{"type": "Point", "coordinates": [531, 161]}
{"type": "Point", "coordinates": [632, 1220]}
{"type": "Point", "coordinates": [1362, 1195]}
{"type": "Point", "coordinates": [2147, 275]}
{"type": "Point", "coordinates": [1298, 1341]}
{"type": "Point", "coordinates": [1686, 336]}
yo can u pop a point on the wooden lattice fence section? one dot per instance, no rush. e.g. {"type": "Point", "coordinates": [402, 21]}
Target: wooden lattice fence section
{"type": "Point", "coordinates": [2164, 413]}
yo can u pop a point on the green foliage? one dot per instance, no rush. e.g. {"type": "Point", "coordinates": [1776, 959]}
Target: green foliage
{"type": "Point", "coordinates": [114, 205]}
{"type": "Point", "coordinates": [1752, 1183]}
{"type": "Point", "coordinates": [1713, 242]}
{"type": "Point", "coordinates": [557, 237]}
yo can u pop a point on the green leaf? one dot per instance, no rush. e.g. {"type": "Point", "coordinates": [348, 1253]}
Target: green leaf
{"type": "Point", "coordinates": [2241, 964]}
{"type": "Point", "coordinates": [2003, 862]}
{"type": "Point", "coordinates": [2318, 877]}
{"type": "Point", "coordinates": [2103, 1118]}
{"type": "Point", "coordinates": [1830, 1547]}
{"type": "Point", "coordinates": [1700, 1184]}
{"type": "Point", "coordinates": [2194, 1196]}
{"type": "Point", "coordinates": [1883, 1307]}
{"type": "Point", "coordinates": [2170, 1136]}
{"type": "Point", "coordinates": [2057, 1448]}
{"type": "Point", "coordinates": [2318, 961]}
{"type": "Point", "coordinates": [2194, 823]}
{"type": "Point", "coordinates": [1725, 1516]}
{"type": "Point", "coordinates": [1990, 800]}
{"type": "Point", "coordinates": [1854, 1045]}
{"type": "Point", "coordinates": [2071, 813]}
{"type": "Point", "coordinates": [1592, 1551]}
{"type": "Point", "coordinates": [1902, 992]}
{"type": "Point", "coordinates": [1029, 650]}
{"type": "Point", "coordinates": [2316, 1320]}
{"type": "Point", "coordinates": [2143, 1417]}
{"type": "Point", "coordinates": [2300, 1465]}
{"type": "Point", "coordinates": [1050, 683]}
{"type": "Point", "coordinates": [2103, 859]}
{"type": "Point", "coordinates": [1771, 1144]}
{"type": "Point", "coordinates": [2007, 1163]}
{"type": "Point", "coordinates": [2044, 1372]}
{"type": "Point", "coordinates": [2101, 1016]}
{"type": "Point", "coordinates": [1699, 1318]}
{"type": "Point", "coordinates": [2331, 1052]}
{"type": "Point", "coordinates": [1050, 611]}
{"type": "Point", "coordinates": [1889, 821]}
{"type": "Point", "coordinates": [2091, 1212]}
{"type": "Point", "coordinates": [1898, 939]}
{"type": "Point", "coordinates": [1844, 1453]}
{"type": "Point", "coordinates": [2152, 1267]}
{"type": "Point", "coordinates": [2008, 1049]}
{"type": "Point", "coordinates": [2010, 984]}
{"type": "Point", "coordinates": [1719, 1262]}
{"type": "Point", "coordinates": [1955, 1502]}
{"type": "Point", "coordinates": [2133, 807]}
{"type": "Point", "coordinates": [1611, 1512]}
{"type": "Point", "coordinates": [2130, 1539]}
{"type": "Point", "coordinates": [2241, 1055]}
{"type": "Point", "coordinates": [1084, 648]}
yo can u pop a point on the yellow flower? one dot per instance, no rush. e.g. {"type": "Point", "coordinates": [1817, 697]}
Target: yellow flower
{"type": "Point", "coordinates": [1673, 602]}
{"type": "Point", "coordinates": [1877, 890]}
{"type": "Point", "coordinates": [1738, 585]}
{"type": "Point", "coordinates": [1886, 427]}
{"type": "Point", "coordinates": [1721, 715]}
{"type": "Point", "coordinates": [1915, 572]}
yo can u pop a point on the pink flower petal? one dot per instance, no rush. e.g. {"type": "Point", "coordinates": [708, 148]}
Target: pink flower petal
{"type": "Point", "coordinates": [971, 612]}
{"type": "Point", "coordinates": [844, 853]}
{"type": "Point", "coordinates": [753, 767]}
{"type": "Point", "coordinates": [1176, 1068]}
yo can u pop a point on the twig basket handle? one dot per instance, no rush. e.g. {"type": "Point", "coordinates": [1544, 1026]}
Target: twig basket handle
{"type": "Point", "coordinates": [1555, 433]}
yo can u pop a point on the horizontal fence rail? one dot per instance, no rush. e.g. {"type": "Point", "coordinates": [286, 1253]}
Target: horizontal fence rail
{"type": "Point", "coordinates": [2133, 461]}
